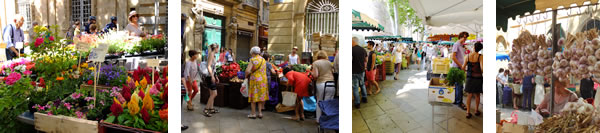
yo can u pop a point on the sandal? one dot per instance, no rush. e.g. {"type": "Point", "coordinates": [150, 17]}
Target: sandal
{"type": "Point", "coordinates": [462, 106]}
{"type": "Point", "coordinates": [377, 92]}
{"type": "Point", "coordinates": [477, 113]}
{"type": "Point", "coordinates": [252, 116]}
{"type": "Point", "coordinates": [206, 113]}
{"type": "Point", "coordinates": [190, 107]}
{"type": "Point", "coordinates": [260, 116]}
{"type": "Point", "coordinates": [214, 111]}
{"type": "Point", "coordinates": [469, 115]}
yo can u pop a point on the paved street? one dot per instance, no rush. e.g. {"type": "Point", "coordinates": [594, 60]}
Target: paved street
{"type": "Point", "coordinates": [235, 121]}
{"type": "Point", "coordinates": [402, 106]}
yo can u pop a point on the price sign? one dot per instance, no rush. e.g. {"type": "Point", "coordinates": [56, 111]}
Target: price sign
{"type": "Point", "coordinates": [82, 46]}
{"type": "Point", "coordinates": [97, 55]}
{"type": "Point", "coordinates": [153, 62]}
{"type": "Point", "coordinates": [3, 45]}
{"type": "Point", "coordinates": [19, 45]}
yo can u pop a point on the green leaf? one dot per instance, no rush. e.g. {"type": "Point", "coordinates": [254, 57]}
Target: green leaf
{"type": "Point", "coordinates": [110, 119]}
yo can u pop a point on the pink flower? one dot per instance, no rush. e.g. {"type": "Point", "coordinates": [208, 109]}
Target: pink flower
{"type": "Point", "coordinates": [12, 78]}
{"type": "Point", "coordinates": [39, 41]}
{"type": "Point", "coordinates": [51, 38]}
{"type": "Point", "coordinates": [154, 89]}
{"type": "Point", "coordinates": [68, 106]}
{"type": "Point", "coordinates": [75, 95]}
{"type": "Point", "coordinates": [79, 114]}
{"type": "Point", "coordinates": [49, 112]}
{"type": "Point", "coordinates": [91, 106]}
{"type": "Point", "coordinates": [27, 72]}
{"type": "Point", "coordinates": [89, 99]}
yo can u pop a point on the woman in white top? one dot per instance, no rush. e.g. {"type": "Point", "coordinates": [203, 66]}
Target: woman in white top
{"type": "Point", "coordinates": [398, 59]}
{"type": "Point", "coordinates": [293, 57]}
{"type": "Point", "coordinates": [133, 28]}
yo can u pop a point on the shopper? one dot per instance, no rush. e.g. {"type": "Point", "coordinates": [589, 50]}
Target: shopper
{"type": "Point", "coordinates": [561, 97]}
{"type": "Point", "coordinates": [397, 55]}
{"type": "Point", "coordinates": [499, 85]}
{"type": "Point", "coordinates": [13, 34]}
{"type": "Point", "coordinates": [94, 29]}
{"type": "Point", "coordinates": [77, 30]}
{"type": "Point", "coordinates": [269, 71]}
{"type": "Point", "coordinates": [183, 81]}
{"type": "Point", "coordinates": [86, 27]}
{"type": "Point", "coordinates": [293, 57]}
{"type": "Point", "coordinates": [587, 87]}
{"type": "Point", "coordinates": [190, 75]}
{"type": "Point", "coordinates": [458, 54]}
{"type": "Point", "coordinates": [133, 28]}
{"type": "Point", "coordinates": [322, 72]}
{"type": "Point", "coordinates": [474, 82]}
{"type": "Point", "coordinates": [257, 82]}
{"type": "Point", "coordinates": [213, 81]}
{"type": "Point", "coordinates": [112, 26]}
{"type": "Point", "coordinates": [528, 82]}
{"type": "Point", "coordinates": [359, 56]}
{"type": "Point", "coordinates": [70, 32]}
{"type": "Point", "coordinates": [222, 56]}
{"type": "Point", "coordinates": [300, 82]}
{"type": "Point", "coordinates": [230, 56]}
{"type": "Point", "coordinates": [371, 69]}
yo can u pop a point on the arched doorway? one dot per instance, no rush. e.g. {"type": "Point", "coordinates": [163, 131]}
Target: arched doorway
{"type": "Point", "coordinates": [321, 17]}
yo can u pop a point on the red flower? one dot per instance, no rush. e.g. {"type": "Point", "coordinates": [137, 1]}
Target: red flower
{"type": "Point", "coordinates": [51, 38]}
{"type": "Point", "coordinates": [165, 96]}
{"type": "Point", "coordinates": [90, 82]}
{"type": "Point", "coordinates": [141, 93]}
{"type": "Point", "coordinates": [33, 83]}
{"type": "Point", "coordinates": [126, 92]}
{"type": "Point", "coordinates": [42, 83]}
{"type": "Point", "coordinates": [116, 109]}
{"type": "Point", "coordinates": [165, 106]}
{"type": "Point", "coordinates": [165, 72]}
{"type": "Point", "coordinates": [39, 41]}
{"type": "Point", "coordinates": [145, 115]}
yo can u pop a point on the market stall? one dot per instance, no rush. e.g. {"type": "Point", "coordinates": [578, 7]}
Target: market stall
{"type": "Point", "coordinates": [99, 83]}
{"type": "Point", "coordinates": [565, 59]}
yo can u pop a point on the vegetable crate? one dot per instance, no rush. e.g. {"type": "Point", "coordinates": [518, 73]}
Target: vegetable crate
{"type": "Point", "coordinates": [105, 127]}
{"type": "Point", "coordinates": [63, 124]}
{"type": "Point", "coordinates": [389, 69]}
{"type": "Point", "coordinates": [380, 72]}
{"type": "Point", "coordinates": [438, 91]}
{"type": "Point", "coordinates": [441, 65]}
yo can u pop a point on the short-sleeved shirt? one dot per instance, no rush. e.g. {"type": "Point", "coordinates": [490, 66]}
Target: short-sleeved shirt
{"type": "Point", "coordinates": [300, 82]}
{"type": "Point", "coordinates": [459, 51]}
{"type": "Point", "coordinates": [325, 70]}
{"type": "Point", "coordinates": [358, 59]}
{"type": "Point", "coordinates": [17, 36]}
{"type": "Point", "coordinates": [191, 70]}
{"type": "Point", "coordinates": [131, 29]}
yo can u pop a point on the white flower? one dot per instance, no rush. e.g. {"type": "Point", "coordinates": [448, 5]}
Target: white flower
{"type": "Point", "coordinates": [20, 68]}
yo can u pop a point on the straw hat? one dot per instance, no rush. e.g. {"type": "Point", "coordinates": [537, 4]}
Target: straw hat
{"type": "Point", "coordinates": [131, 14]}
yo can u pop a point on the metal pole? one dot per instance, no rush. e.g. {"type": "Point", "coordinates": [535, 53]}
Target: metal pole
{"type": "Point", "coordinates": [156, 17]}
{"type": "Point", "coordinates": [555, 37]}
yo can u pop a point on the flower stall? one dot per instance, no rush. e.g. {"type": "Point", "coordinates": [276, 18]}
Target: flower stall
{"type": "Point", "coordinates": [57, 86]}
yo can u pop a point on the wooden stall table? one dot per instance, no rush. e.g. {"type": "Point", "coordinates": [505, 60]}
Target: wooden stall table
{"type": "Point", "coordinates": [234, 96]}
{"type": "Point", "coordinates": [220, 100]}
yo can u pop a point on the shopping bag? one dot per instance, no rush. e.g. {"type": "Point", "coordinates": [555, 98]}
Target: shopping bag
{"type": "Point", "coordinates": [539, 94]}
{"type": "Point", "coordinates": [244, 88]}
{"type": "Point", "coordinates": [310, 103]}
{"type": "Point", "coordinates": [514, 117]}
{"type": "Point", "coordinates": [517, 88]}
{"type": "Point", "coordinates": [289, 98]}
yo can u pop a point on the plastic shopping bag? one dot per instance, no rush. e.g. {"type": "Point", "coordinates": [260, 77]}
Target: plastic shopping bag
{"type": "Point", "coordinates": [289, 98]}
{"type": "Point", "coordinates": [244, 88]}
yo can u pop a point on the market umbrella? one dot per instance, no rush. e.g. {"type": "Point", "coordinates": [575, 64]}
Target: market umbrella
{"type": "Point", "coordinates": [510, 8]}
{"type": "Point", "coordinates": [444, 12]}
{"type": "Point", "coordinates": [502, 57]}
{"type": "Point", "coordinates": [361, 21]}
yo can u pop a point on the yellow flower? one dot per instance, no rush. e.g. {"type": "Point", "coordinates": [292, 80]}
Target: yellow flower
{"type": "Point", "coordinates": [116, 101]}
{"type": "Point", "coordinates": [91, 69]}
{"type": "Point", "coordinates": [143, 83]}
{"type": "Point", "coordinates": [129, 79]}
{"type": "Point", "coordinates": [133, 105]}
{"type": "Point", "coordinates": [147, 102]}
{"type": "Point", "coordinates": [137, 83]}
{"type": "Point", "coordinates": [84, 65]}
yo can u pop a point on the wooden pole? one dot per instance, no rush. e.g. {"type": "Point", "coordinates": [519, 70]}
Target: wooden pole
{"type": "Point", "coordinates": [555, 37]}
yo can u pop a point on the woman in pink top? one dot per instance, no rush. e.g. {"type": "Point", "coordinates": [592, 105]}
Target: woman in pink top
{"type": "Point", "coordinates": [300, 83]}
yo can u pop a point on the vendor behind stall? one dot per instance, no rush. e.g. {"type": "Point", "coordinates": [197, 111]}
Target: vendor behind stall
{"type": "Point", "coordinates": [561, 97]}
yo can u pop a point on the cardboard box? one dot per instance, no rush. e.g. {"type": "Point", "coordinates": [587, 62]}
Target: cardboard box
{"type": "Point", "coordinates": [514, 128]}
{"type": "Point", "coordinates": [439, 92]}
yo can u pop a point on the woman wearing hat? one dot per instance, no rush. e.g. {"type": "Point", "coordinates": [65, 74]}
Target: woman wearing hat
{"type": "Point", "coordinates": [133, 28]}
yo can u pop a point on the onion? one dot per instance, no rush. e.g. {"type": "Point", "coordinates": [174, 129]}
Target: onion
{"type": "Point", "coordinates": [595, 43]}
{"type": "Point", "coordinates": [547, 69]}
{"type": "Point", "coordinates": [531, 66]}
{"type": "Point", "coordinates": [559, 55]}
{"type": "Point", "coordinates": [564, 63]}
{"type": "Point", "coordinates": [597, 65]}
{"type": "Point", "coordinates": [592, 59]}
{"type": "Point", "coordinates": [583, 60]}
{"type": "Point", "coordinates": [589, 50]}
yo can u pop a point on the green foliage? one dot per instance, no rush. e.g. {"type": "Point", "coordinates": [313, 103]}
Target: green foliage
{"type": "Point", "coordinates": [406, 15]}
{"type": "Point", "coordinates": [455, 75]}
{"type": "Point", "coordinates": [13, 102]}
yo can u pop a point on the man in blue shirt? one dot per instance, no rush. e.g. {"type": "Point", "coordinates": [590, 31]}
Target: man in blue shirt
{"type": "Point", "coordinates": [11, 34]}
{"type": "Point", "coordinates": [112, 25]}
{"type": "Point", "coordinates": [86, 27]}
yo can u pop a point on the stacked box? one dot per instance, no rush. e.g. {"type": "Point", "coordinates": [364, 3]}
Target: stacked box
{"type": "Point", "coordinates": [329, 43]}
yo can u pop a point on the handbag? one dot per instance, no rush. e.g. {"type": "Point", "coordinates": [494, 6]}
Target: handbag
{"type": "Point", "coordinates": [289, 98]}
{"type": "Point", "coordinates": [203, 69]}
{"type": "Point", "coordinates": [244, 88]}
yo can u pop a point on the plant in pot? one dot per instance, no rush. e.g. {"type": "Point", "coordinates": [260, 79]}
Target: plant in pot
{"type": "Point", "coordinates": [455, 75]}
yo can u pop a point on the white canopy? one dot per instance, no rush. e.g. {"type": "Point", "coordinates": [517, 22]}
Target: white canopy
{"type": "Point", "coordinates": [444, 12]}
{"type": "Point", "coordinates": [456, 28]}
